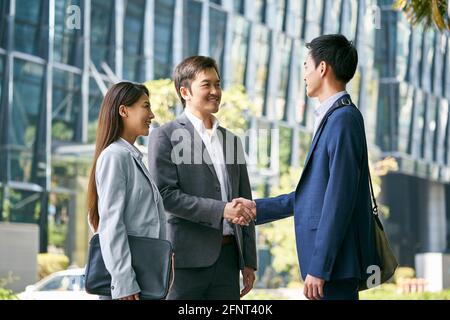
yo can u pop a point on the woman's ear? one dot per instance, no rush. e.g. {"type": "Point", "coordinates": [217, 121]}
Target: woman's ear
{"type": "Point", "coordinates": [123, 112]}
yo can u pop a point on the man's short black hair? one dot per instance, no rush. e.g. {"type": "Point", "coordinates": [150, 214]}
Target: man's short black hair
{"type": "Point", "coordinates": [338, 52]}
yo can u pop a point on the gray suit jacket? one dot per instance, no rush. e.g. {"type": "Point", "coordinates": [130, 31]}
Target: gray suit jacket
{"type": "Point", "coordinates": [128, 204]}
{"type": "Point", "coordinates": [191, 193]}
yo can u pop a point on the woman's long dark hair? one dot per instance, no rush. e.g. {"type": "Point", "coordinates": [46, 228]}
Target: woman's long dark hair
{"type": "Point", "coordinates": [109, 129]}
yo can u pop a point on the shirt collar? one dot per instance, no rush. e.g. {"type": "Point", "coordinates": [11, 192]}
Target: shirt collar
{"type": "Point", "coordinates": [328, 103]}
{"type": "Point", "coordinates": [198, 123]}
{"type": "Point", "coordinates": [134, 151]}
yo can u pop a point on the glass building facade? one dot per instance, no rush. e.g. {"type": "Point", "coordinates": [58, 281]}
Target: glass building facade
{"type": "Point", "coordinates": [58, 57]}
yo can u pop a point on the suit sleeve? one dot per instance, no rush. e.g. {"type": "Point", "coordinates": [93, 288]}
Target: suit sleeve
{"type": "Point", "coordinates": [110, 179]}
{"type": "Point", "coordinates": [276, 208]}
{"type": "Point", "coordinates": [204, 211]}
{"type": "Point", "coordinates": [345, 149]}
{"type": "Point", "coordinates": [248, 232]}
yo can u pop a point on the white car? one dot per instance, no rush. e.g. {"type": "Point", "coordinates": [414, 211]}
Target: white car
{"type": "Point", "coordinates": [61, 285]}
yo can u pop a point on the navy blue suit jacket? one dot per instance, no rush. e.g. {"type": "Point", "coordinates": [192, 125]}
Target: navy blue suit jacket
{"type": "Point", "coordinates": [331, 204]}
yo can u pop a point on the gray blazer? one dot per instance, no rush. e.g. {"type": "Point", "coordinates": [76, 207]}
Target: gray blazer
{"type": "Point", "coordinates": [192, 197]}
{"type": "Point", "coordinates": [128, 204]}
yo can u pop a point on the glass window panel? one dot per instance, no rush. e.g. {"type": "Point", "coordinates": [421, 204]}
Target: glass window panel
{"type": "Point", "coordinates": [280, 6]}
{"type": "Point", "coordinates": [30, 26]}
{"type": "Point", "coordinates": [427, 60]}
{"type": "Point", "coordinates": [430, 129]}
{"type": "Point", "coordinates": [239, 49]}
{"type": "Point", "coordinates": [102, 32]}
{"type": "Point", "coordinates": [1, 77]}
{"type": "Point", "coordinates": [284, 48]}
{"type": "Point", "coordinates": [261, 62]}
{"type": "Point", "coordinates": [3, 21]}
{"type": "Point", "coordinates": [419, 123]}
{"type": "Point", "coordinates": [68, 47]}
{"type": "Point", "coordinates": [59, 215]}
{"type": "Point", "coordinates": [385, 112]}
{"type": "Point", "coordinates": [414, 68]}
{"type": "Point", "coordinates": [438, 68]}
{"type": "Point", "coordinates": [23, 206]}
{"type": "Point", "coordinates": [132, 40]}
{"type": "Point", "coordinates": [264, 140]}
{"type": "Point", "coordinates": [311, 105]}
{"type": "Point", "coordinates": [259, 8]}
{"type": "Point", "coordinates": [404, 32]}
{"type": "Point", "coordinates": [191, 27]}
{"type": "Point", "coordinates": [285, 152]}
{"type": "Point", "coordinates": [446, 80]}
{"type": "Point", "coordinates": [95, 102]}
{"type": "Point", "coordinates": [301, 97]}
{"type": "Point", "coordinates": [66, 113]}
{"type": "Point", "coordinates": [313, 17]}
{"type": "Point", "coordinates": [369, 95]}
{"type": "Point", "coordinates": [238, 6]}
{"type": "Point", "coordinates": [164, 11]}
{"type": "Point", "coordinates": [442, 119]}
{"type": "Point", "coordinates": [217, 24]}
{"type": "Point", "coordinates": [405, 114]}
{"type": "Point", "coordinates": [24, 118]}
{"type": "Point", "coordinates": [333, 9]}
{"type": "Point", "coordinates": [304, 144]}
{"type": "Point", "coordinates": [354, 86]}
{"type": "Point", "coordinates": [349, 19]}
{"type": "Point", "coordinates": [295, 17]}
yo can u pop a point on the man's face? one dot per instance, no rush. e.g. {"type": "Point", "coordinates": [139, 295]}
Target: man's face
{"type": "Point", "coordinates": [205, 93]}
{"type": "Point", "coordinates": [312, 77]}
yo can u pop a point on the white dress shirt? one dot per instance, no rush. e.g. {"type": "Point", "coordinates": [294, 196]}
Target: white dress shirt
{"type": "Point", "coordinates": [322, 110]}
{"type": "Point", "coordinates": [215, 152]}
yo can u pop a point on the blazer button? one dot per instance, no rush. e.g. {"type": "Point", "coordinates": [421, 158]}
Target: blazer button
{"type": "Point", "coordinates": [217, 189]}
{"type": "Point", "coordinates": [112, 287]}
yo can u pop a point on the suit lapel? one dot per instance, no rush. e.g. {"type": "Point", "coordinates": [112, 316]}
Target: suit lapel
{"type": "Point", "coordinates": [199, 146]}
{"type": "Point", "coordinates": [227, 144]}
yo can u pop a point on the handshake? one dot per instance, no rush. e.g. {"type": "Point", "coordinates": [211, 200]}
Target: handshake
{"type": "Point", "coordinates": [240, 211]}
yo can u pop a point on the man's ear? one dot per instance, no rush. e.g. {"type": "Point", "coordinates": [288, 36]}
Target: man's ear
{"type": "Point", "coordinates": [323, 68]}
{"type": "Point", "coordinates": [123, 112]}
{"type": "Point", "coordinates": [185, 93]}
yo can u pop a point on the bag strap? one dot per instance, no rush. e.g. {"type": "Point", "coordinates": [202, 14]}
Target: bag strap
{"type": "Point", "coordinates": [375, 206]}
{"type": "Point", "coordinates": [372, 194]}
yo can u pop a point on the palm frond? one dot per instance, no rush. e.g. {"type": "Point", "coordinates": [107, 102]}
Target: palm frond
{"type": "Point", "coordinates": [426, 12]}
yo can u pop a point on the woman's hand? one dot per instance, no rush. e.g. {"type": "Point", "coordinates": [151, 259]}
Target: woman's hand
{"type": "Point", "coordinates": [132, 297]}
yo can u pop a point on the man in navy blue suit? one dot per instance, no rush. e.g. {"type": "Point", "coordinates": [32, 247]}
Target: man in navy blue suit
{"type": "Point", "coordinates": [331, 204]}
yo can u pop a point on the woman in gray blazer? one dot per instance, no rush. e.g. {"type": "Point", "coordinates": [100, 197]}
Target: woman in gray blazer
{"type": "Point", "coordinates": [122, 197]}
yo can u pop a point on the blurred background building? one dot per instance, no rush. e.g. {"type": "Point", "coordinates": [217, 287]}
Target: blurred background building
{"type": "Point", "coordinates": [58, 57]}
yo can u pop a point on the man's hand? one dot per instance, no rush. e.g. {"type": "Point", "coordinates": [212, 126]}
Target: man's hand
{"type": "Point", "coordinates": [313, 289]}
{"type": "Point", "coordinates": [132, 297]}
{"type": "Point", "coordinates": [248, 279]}
{"type": "Point", "coordinates": [249, 204]}
{"type": "Point", "coordinates": [238, 213]}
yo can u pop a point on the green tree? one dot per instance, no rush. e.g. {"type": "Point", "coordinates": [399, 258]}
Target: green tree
{"type": "Point", "coordinates": [429, 12]}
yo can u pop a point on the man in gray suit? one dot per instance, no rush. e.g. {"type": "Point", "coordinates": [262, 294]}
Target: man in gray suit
{"type": "Point", "coordinates": [199, 167]}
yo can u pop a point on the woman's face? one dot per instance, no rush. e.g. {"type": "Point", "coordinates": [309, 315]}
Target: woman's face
{"type": "Point", "coordinates": [139, 117]}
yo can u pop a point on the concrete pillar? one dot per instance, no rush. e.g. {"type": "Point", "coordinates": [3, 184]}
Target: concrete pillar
{"type": "Point", "coordinates": [436, 227]}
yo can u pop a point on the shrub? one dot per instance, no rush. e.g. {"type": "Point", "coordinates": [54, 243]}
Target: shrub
{"type": "Point", "coordinates": [403, 273]}
{"type": "Point", "coordinates": [51, 262]}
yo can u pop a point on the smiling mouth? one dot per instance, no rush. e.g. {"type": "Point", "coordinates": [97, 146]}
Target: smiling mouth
{"type": "Point", "coordinates": [148, 122]}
